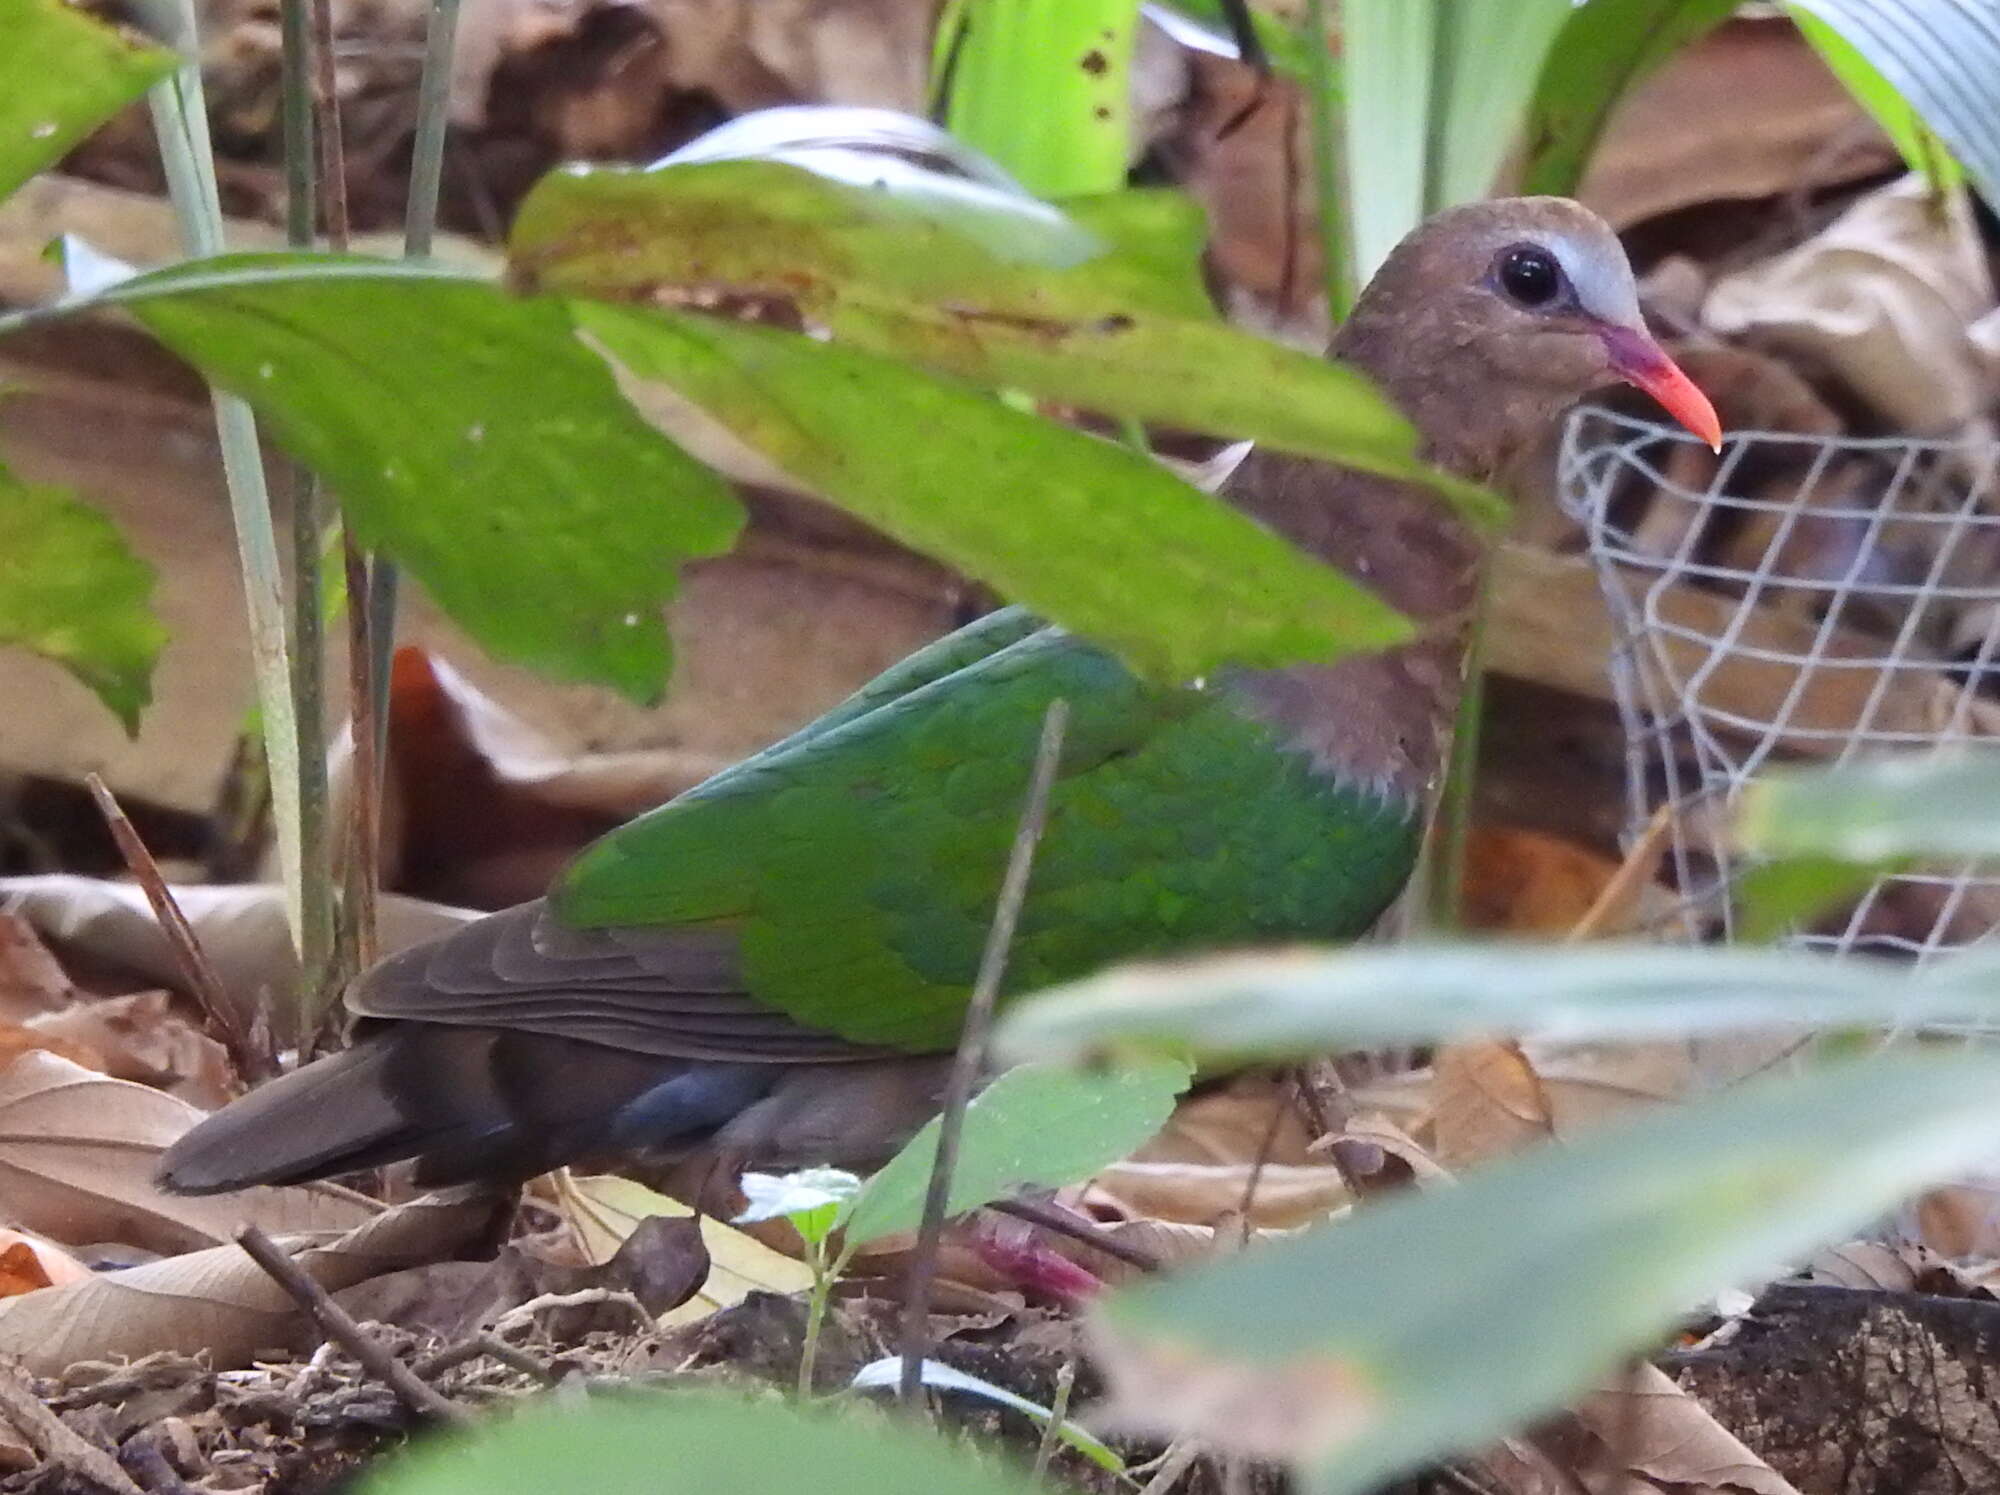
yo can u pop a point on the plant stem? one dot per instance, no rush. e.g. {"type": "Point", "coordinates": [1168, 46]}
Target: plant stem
{"type": "Point", "coordinates": [1058, 1411]}
{"type": "Point", "coordinates": [419, 231]}
{"type": "Point", "coordinates": [971, 1057]}
{"type": "Point", "coordinates": [364, 857]}
{"type": "Point", "coordinates": [308, 629]}
{"type": "Point", "coordinates": [181, 123]}
{"type": "Point", "coordinates": [816, 1303]}
{"type": "Point", "coordinates": [1324, 101]}
{"type": "Point", "coordinates": [1446, 847]}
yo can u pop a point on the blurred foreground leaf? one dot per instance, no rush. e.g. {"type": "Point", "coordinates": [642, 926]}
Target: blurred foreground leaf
{"type": "Point", "coordinates": [1435, 1322]}
{"type": "Point", "coordinates": [1943, 804]}
{"type": "Point", "coordinates": [1298, 1004]}
{"type": "Point", "coordinates": [692, 1443]}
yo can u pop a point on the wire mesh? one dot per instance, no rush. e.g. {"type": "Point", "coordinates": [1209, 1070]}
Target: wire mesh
{"type": "Point", "coordinates": [1794, 598]}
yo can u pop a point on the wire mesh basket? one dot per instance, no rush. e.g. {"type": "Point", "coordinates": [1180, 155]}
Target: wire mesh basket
{"type": "Point", "coordinates": [1795, 598]}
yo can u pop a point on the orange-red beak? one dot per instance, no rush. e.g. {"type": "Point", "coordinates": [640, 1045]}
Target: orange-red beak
{"type": "Point", "coordinates": [1641, 362]}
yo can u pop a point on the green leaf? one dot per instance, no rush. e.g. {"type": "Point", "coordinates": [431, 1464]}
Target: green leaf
{"type": "Point", "coordinates": [691, 1443]}
{"type": "Point", "coordinates": [1935, 60]}
{"type": "Point", "coordinates": [71, 590]}
{"type": "Point", "coordinates": [1436, 1322]}
{"type": "Point", "coordinates": [886, 1373]}
{"type": "Point", "coordinates": [470, 436]}
{"type": "Point", "coordinates": [1603, 49]}
{"type": "Point", "coordinates": [1874, 810]}
{"type": "Point", "coordinates": [1074, 59]}
{"type": "Point", "coordinates": [1285, 47]}
{"type": "Point", "coordinates": [1089, 534]}
{"type": "Point", "coordinates": [1103, 307]}
{"type": "Point", "coordinates": [1297, 1005]}
{"type": "Point", "coordinates": [62, 74]}
{"type": "Point", "coordinates": [810, 1198]}
{"type": "Point", "coordinates": [1773, 898]}
{"type": "Point", "coordinates": [1033, 1126]}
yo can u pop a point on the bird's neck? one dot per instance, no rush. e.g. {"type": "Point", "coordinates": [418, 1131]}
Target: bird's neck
{"type": "Point", "coordinates": [1385, 718]}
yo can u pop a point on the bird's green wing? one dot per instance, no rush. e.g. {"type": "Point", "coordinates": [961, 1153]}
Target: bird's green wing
{"type": "Point", "coordinates": [857, 865]}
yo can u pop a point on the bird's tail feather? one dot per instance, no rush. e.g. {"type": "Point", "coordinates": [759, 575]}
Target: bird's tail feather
{"type": "Point", "coordinates": [334, 1116]}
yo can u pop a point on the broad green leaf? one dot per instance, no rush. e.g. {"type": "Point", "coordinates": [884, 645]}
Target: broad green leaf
{"type": "Point", "coordinates": [915, 267]}
{"type": "Point", "coordinates": [1604, 48]}
{"type": "Point", "coordinates": [1436, 1322]}
{"type": "Point", "coordinates": [470, 436]}
{"type": "Point", "coordinates": [1037, 1125]}
{"type": "Point", "coordinates": [691, 1443]}
{"type": "Point", "coordinates": [1936, 58]}
{"type": "Point", "coordinates": [71, 590]}
{"type": "Point", "coordinates": [1300, 1004]}
{"type": "Point", "coordinates": [1074, 59]}
{"type": "Point", "coordinates": [886, 1373]}
{"type": "Point", "coordinates": [1910, 805]}
{"type": "Point", "coordinates": [62, 74]}
{"type": "Point", "coordinates": [810, 1198]}
{"type": "Point", "coordinates": [1087, 533]}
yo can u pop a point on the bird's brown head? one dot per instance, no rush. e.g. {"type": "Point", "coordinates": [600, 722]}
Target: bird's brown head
{"type": "Point", "coordinates": [1489, 320]}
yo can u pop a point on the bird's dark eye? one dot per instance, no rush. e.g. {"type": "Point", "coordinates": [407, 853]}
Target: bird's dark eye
{"type": "Point", "coordinates": [1530, 275]}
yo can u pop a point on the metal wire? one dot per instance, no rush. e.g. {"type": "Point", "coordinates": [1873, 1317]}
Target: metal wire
{"type": "Point", "coordinates": [1799, 597]}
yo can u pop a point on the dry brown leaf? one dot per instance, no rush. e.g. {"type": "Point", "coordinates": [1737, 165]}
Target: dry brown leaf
{"type": "Point", "coordinates": [77, 1152]}
{"type": "Point", "coordinates": [219, 1303]}
{"type": "Point", "coordinates": [32, 981]}
{"type": "Point", "coordinates": [1669, 1439]}
{"type": "Point", "coordinates": [1960, 1220]}
{"type": "Point", "coordinates": [28, 1262]}
{"type": "Point", "coordinates": [1486, 1100]}
{"type": "Point", "coordinates": [145, 1038]}
{"type": "Point", "coordinates": [603, 1210]}
{"type": "Point", "coordinates": [1530, 882]}
{"type": "Point", "coordinates": [240, 926]}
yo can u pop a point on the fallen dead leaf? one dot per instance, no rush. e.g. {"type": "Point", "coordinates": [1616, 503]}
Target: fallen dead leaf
{"type": "Point", "coordinates": [218, 1302]}
{"type": "Point", "coordinates": [28, 1262]}
{"type": "Point", "coordinates": [603, 1211]}
{"type": "Point", "coordinates": [32, 981]}
{"type": "Point", "coordinates": [1486, 1100]}
{"type": "Point", "coordinates": [77, 1153]}
{"type": "Point", "coordinates": [1530, 882]}
{"type": "Point", "coordinates": [145, 1038]}
{"type": "Point", "coordinates": [1668, 1439]}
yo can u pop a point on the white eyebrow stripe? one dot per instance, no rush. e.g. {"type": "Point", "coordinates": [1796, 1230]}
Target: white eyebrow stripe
{"type": "Point", "coordinates": [1604, 289]}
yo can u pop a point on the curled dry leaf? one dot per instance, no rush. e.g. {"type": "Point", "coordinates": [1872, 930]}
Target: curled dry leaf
{"type": "Point", "coordinates": [1486, 1099]}
{"type": "Point", "coordinates": [77, 1153]}
{"type": "Point", "coordinates": [32, 981]}
{"type": "Point", "coordinates": [27, 1262]}
{"type": "Point", "coordinates": [603, 1211]}
{"type": "Point", "coordinates": [1669, 1441]}
{"type": "Point", "coordinates": [143, 1037]}
{"type": "Point", "coordinates": [218, 1302]}
{"type": "Point", "coordinates": [241, 927]}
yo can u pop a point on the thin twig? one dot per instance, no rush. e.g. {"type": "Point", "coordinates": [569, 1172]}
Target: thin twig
{"type": "Point", "coordinates": [332, 146]}
{"type": "Point", "coordinates": [339, 1325]}
{"type": "Point", "coordinates": [59, 1444]}
{"type": "Point", "coordinates": [1058, 1411]}
{"type": "Point", "coordinates": [218, 1017]}
{"type": "Point", "coordinates": [1054, 1218]}
{"type": "Point", "coordinates": [490, 1346]}
{"type": "Point", "coordinates": [971, 1057]}
{"type": "Point", "coordinates": [295, 89]}
{"type": "Point", "coordinates": [584, 1297]}
{"type": "Point", "coordinates": [1281, 1105]}
{"type": "Point", "coordinates": [1174, 1463]}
